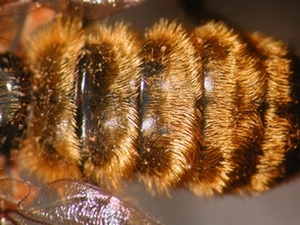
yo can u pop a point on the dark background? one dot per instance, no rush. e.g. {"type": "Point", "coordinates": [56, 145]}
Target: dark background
{"type": "Point", "coordinates": [281, 205]}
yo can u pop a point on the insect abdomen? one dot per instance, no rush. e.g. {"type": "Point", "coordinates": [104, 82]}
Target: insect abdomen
{"type": "Point", "coordinates": [209, 111]}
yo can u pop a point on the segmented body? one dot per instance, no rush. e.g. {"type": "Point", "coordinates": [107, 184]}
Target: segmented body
{"type": "Point", "coordinates": [213, 110]}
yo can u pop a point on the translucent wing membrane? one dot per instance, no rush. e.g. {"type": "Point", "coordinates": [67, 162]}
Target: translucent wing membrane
{"type": "Point", "coordinates": [90, 9]}
{"type": "Point", "coordinates": [13, 15]}
{"type": "Point", "coordinates": [65, 202]}
{"type": "Point", "coordinates": [12, 192]}
{"type": "Point", "coordinates": [12, 18]}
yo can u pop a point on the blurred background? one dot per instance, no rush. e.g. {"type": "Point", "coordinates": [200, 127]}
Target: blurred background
{"type": "Point", "coordinates": [281, 205]}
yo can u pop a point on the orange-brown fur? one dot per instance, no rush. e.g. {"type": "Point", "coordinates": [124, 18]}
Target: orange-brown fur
{"type": "Point", "coordinates": [232, 136]}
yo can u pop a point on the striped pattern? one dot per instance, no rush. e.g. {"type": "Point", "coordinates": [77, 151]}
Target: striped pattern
{"type": "Point", "coordinates": [214, 110]}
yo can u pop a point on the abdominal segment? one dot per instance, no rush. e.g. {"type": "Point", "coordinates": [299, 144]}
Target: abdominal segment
{"type": "Point", "coordinates": [213, 111]}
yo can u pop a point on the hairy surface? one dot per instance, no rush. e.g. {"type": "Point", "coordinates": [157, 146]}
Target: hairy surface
{"type": "Point", "coordinates": [213, 110]}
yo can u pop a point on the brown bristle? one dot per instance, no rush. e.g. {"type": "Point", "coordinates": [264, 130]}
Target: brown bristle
{"type": "Point", "coordinates": [212, 111]}
{"type": "Point", "coordinates": [112, 128]}
{"type": "Point", "coordinates": [234, 94]}
{"type": "Point", "coordinates": [51, 148]}
{"type": "Point", "coordinates": [173, 84]}
{"type": "Point", "coordinates": [277, 127]}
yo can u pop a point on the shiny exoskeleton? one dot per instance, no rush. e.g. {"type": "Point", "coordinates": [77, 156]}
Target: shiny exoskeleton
{"type": "Point", "coordinates": [14, 97]}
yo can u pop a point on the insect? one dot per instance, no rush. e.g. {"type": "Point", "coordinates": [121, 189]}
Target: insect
{"type": "Point", "coordinates": [113, 105]}
{"type": "Point", "coordinates": [253, 128]}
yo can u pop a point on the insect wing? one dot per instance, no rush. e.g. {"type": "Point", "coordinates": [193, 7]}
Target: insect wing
{"type": "Point", "coordinates": [12, 18]}
{"type": "Point", "coordinates": [12, 192]}
{"type": "Point", "coordinates": [74, 202]}
{"type": "Point", "coordinates": [90, 9]}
